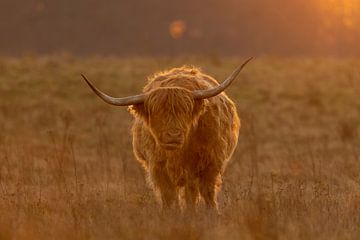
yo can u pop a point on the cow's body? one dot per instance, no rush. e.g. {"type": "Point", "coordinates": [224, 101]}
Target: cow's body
{"type": "Point", "coordinates": [199, 163]}
{"type": "Point", "coordinates": [184, 133]}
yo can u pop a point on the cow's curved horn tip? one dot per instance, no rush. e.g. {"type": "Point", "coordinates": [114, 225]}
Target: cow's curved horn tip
{"type": "Point", "coordinates": [85, 78]}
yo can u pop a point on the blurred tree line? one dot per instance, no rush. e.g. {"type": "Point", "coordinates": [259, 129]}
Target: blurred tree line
{"type": "Point", "coordinates": [146, 27]}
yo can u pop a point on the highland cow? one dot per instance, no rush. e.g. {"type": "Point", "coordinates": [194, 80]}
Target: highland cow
{"type": "Point", "coordinates": [185, 131]}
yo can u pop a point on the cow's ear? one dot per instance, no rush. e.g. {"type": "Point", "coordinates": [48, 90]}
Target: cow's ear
{"type": "Point", "coordinates": [199, 107]}
{"type": "Point", "coordinates": [138, 110]}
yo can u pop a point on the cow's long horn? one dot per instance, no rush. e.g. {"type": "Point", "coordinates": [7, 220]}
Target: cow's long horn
{"type": "Point", "coordinates": [201, 94]}
{"type": "Point", "coordinates": [125, 101]}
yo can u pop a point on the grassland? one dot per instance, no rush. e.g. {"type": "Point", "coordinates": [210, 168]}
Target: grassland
{"type": "Point", "coordinates": [67, 169]}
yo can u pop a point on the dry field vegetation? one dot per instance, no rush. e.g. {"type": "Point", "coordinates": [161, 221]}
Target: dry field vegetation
{"type": "Point", "coordinates": [67, 169]}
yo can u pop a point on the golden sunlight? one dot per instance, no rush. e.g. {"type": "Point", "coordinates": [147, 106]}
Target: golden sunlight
{"type": "Point", "coordinates": [177, 29]}
{"type": "Point", "coordinates": [344, 10]}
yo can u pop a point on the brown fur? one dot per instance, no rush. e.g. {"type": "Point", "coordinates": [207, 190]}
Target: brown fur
{"type": "Point", "coordinates": [205, 133]}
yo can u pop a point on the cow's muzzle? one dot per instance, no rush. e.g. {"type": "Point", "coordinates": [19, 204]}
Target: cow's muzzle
{"type": "Point", "coordinates": [171, 145]}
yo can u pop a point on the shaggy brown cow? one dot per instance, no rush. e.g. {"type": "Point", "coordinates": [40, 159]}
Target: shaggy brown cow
{"type": "Point", "coordinates": [184, 133]}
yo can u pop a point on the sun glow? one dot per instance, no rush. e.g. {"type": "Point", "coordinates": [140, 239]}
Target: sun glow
{"type": "Point", "coordinates": [345, 11]}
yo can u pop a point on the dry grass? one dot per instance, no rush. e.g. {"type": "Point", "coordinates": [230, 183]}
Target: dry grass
{"type": "Point", "coordinates": [67, 169]}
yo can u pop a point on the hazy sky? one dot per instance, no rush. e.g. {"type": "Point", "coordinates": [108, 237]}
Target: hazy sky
{"type": "Point", "coordinates": [162, 27]}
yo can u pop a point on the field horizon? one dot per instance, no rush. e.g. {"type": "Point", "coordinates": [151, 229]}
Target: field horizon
{"type": "Point", "coordinates": [67, 170]}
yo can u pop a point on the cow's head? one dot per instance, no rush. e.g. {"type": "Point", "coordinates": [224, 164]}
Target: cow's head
{"type": "Point", "coordinates": [169, 112]}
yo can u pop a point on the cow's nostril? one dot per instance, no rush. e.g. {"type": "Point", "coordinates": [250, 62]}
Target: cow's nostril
{"type": "Point", "coordinates": [173, 133]}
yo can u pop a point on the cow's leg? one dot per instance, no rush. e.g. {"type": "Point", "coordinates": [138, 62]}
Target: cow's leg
{"type": "Point", "coordinates": [208, 185]}
{"type": "Point", "coordinates": [167, 190]}
{"type": "Point", "coordinates": [191, 194]}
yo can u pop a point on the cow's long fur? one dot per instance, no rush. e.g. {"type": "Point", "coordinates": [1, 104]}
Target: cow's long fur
{"type": "Point", "coordinates": [209, 128]}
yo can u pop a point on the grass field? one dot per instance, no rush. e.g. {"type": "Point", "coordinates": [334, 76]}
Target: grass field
{"type": "Point", "coordinates": [67, 170]}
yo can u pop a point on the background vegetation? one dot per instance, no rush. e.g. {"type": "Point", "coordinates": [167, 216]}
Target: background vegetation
{"type": "Point", "coordinates": [67, 169]}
